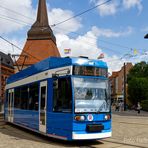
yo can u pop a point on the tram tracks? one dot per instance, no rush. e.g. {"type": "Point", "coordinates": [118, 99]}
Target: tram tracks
{"type": "Point", "coordinates": [134, 123]}
{"type": "Point", "coordinates": [18, 134]}
{"type": "Point", "coordinates": [116, 141]}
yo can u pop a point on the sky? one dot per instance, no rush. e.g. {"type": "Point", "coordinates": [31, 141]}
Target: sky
{"type": "Point", "coordinates": [116, 28]}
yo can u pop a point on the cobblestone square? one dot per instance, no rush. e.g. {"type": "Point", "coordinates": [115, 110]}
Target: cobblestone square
{"type": "Point", "coordinates": [129, 131]}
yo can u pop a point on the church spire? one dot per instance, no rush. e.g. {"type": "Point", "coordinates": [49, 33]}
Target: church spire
{"type": "Point", "coordinates": [41, 30]}
{"type": "Point", "coordinates": [42, 17]}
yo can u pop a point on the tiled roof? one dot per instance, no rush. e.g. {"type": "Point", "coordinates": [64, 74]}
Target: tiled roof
{"type": "Point", "coordinates": [37, 50]}
{"type": "Point", "coordinates": [6, 60]}
{"type": "Point", "coordinates": [41, 42]}
{"type": "Point", "coordinates": [114, 74]}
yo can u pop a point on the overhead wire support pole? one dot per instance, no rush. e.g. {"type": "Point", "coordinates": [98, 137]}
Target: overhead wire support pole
{"type": "Point", "coordinates": [124, 86]}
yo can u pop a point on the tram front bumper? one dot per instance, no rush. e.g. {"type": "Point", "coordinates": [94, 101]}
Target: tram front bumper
{"type": "Point", "coordinates": [85, 136]}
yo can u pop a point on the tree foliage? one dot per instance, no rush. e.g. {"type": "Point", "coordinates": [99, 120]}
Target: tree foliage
{"type": "Point", "coordinates": [138, 83]}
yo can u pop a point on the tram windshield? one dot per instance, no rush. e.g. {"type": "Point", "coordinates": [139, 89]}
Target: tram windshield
{"type": "Point", "coordinates": [91, 95]}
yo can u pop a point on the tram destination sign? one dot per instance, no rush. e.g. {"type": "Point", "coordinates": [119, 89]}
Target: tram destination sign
{"type": "Point", "coordinates": [89, 71]}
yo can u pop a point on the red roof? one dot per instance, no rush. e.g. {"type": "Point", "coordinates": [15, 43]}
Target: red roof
{"type": "Point", "coordinates": [37, 50]}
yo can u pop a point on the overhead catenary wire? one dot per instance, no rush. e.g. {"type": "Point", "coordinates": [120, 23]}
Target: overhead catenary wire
{"type": "Point", "coordinates": [108, 42]}
{"type": "Point", "coordinates": [25, 23]}
{"type": "Point", "coordinates": [19, 48]}
{"type": "Point", "coordinates": [130, 49]}
{"type": "Point", "coordinates": [73, 33]}
{"type": "Point", "coordinates": [72, 18]}
{"type": "Point", "coordinates": [21, 22]}
{"type": "Point", "coordinates": [16, 21]}
{"type": "Point", "coordinates": [81, 13]}
{"type": "Point", "coordinates": [87, 43]}
{"type": "Point", "coordinates": [94, 46]}
{"type": "Point", "coordinates": [20, 14]}
{"type": "Point", "coordinates": [121, 58]}
{"type": "Point", "coordinates": [117, 59]}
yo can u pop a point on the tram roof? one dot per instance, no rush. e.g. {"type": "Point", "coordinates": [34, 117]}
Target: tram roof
{"type": "Point", "coordinates": [52, 63]}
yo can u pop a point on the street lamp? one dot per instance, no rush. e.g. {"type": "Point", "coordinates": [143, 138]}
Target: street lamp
{"type": "Point", "coordinates": [146, 36]}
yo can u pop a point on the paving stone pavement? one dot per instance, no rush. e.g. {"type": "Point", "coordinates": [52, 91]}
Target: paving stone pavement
{"type": "Point", "coordinates": [128, 132]}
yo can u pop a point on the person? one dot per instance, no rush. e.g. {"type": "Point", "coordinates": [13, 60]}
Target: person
{"type": "Point", "coordinates": [117, 106]}
{"type": "Point", "coordinates": [138, 107]}
{"type": "Point", "coordinates": [121, 106]}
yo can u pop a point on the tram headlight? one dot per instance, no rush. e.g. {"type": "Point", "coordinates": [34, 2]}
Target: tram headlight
{"type": "Point", "coordinates": [107, 117]}
{"type": "Point", "coordinates": [80, 118]}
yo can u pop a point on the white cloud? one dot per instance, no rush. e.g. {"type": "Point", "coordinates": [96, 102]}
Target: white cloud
{"type": "Point", "coordinates": [108, 8]}
{"type": "Point", "coordinates": [83, 45]}
{"type": "Point", "coordinates": [143, 56]}
{"type": "Point", "coordinates": [6, 48]}
{"type": "Point", "coordinates": [86, 45]}
{"type": "Point", "coordinates": [111, 8]}
{"type": "Point", "coordinates": [11, 21]}
{"type": "Point", "coordinates": [114, 63]}
{"type": "Point", "coordinates": [110, 33]}
{"type": "Point", "coordinates": [79, 46]}
{"type": "Point", "coordinates": [133, 3]}
{"type": "Point", "coordinates": [57, 15]}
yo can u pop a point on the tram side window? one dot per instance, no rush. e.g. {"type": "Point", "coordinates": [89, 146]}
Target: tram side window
{"type": "Point", "coordinates": [62, 95]}
{"type": "Point", "coordinates": [24, 97]}
{"type": "Point", "coordinates": [6, 96]}
{"type": "Point", "coordinates": [33, 97]}
{"type": "Point", "coordinates": [17, 95]}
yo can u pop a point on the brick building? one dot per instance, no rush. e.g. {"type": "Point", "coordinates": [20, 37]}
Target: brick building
{"type": "Point", "coordinates": [6, 69]}
{"type": "Point", "coordinates": [117, 83]}
{"type": "Point", "coordinates": [41, 42]}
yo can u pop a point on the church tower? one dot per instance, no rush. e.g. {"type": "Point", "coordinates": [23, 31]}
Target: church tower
{"type": "Point", "coordinates": [41, 42]}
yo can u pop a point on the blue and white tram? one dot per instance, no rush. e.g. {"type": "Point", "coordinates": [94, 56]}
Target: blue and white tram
{"type": "Point", "coordinates": [64, 98]}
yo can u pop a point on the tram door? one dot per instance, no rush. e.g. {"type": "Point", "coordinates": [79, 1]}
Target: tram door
{"type": "Point", "coordinates": [10, 105]}
{"type": "Point", "coordinates": [42, 107]}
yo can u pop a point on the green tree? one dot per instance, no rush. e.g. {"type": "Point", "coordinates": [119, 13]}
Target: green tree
{"type": "Point", "coordinates": [138, 89]}
{"type": "Point", "coordinates": [138, 83]}
{"type": "Point", "coordinates": [139, 70]}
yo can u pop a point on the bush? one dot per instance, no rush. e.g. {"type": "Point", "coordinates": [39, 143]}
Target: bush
{"type": "Point", "coordinates": [144, 105]}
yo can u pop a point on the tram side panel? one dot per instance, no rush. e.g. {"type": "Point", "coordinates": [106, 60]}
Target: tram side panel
{"type": "Point", "coordinates": [26, 118]}
{"type": "Point", "coordinates": [59, 122]}
{"type": "Point", "coordinates": [24, 111]}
